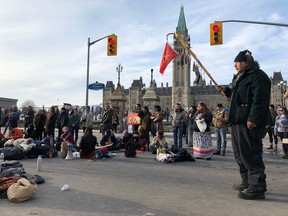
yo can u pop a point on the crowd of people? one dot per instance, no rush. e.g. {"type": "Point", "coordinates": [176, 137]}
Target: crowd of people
{"type": "Point", "coordinates": [250, 118]}
{"type": "Point", "coordinates": [196, 121]}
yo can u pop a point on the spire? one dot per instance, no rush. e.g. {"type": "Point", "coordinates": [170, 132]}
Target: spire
{"type": "Point", "coordinates": [181, 27]}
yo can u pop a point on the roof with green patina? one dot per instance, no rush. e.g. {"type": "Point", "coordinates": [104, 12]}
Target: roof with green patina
{"type": "Point", "coordinates": [181, 27]}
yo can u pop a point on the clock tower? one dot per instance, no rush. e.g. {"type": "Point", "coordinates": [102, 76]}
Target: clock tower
{"type": "Point", "coordinates": [181, 90]}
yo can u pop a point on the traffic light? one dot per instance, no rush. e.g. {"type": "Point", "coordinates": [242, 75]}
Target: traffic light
{"type": "Point", "coordinates": [112, 45]}
{"type": "Point", "coordinates": [216, 33]}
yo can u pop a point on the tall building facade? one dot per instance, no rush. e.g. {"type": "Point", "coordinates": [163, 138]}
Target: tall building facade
{"type": "Point", "coordinates": [181, 75]}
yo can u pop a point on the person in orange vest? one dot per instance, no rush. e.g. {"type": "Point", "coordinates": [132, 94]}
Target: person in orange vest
{"type": "Point", "coordinates": [15, 133]}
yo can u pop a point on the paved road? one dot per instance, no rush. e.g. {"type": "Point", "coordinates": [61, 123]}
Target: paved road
{"type": "Point", "coordinates": [142, 186]}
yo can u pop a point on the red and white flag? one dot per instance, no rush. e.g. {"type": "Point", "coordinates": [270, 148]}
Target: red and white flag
{"type": "Point", "coordinates": [168, 55]}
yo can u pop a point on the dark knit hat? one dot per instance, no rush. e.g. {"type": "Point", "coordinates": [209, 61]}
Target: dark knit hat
{"type": "Point", "coordinates": [219, 105]}
{"type": "Point", "coordinates": [241, 57]}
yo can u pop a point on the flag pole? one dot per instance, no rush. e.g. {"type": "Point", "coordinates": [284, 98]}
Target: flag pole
{"type": "Point", "coordinates": [186, 46]}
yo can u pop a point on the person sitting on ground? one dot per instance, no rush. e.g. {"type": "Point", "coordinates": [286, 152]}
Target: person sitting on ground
{"type": "Point", "coordinates": [1, 137]}
{"type": "Point", "coordinates": [67, 136]}
{"type": "Point", "coordinates": [87, 144]}
{"type": "Point", "coordinates": [126, 137]}
{"type": "Point", "coordinates": [30, 132]}
{"type": "Point", "coordinates": [129, 143]}
{"type": "Point", "coordinates": [158, 142]}
{"type": "Point", "coordinates": [15, 133]}
{"type": "Point", "coordinates": [108, 139]}
{"type": "Point", "coordinates": [142, 138]}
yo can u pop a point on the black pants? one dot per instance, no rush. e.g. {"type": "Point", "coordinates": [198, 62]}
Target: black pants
{"type": "Point", "coordinates": [247, 146]}
{"type": "Point", "coordinates": [74, 130]}
{"type": "Point", "coordinates": [272, 136]}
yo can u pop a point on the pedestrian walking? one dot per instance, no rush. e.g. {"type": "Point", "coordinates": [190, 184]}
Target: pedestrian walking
{"type": "Point", "coordinates": [270, 128]}
{"type": "Point", "coordinates": [281, 128]}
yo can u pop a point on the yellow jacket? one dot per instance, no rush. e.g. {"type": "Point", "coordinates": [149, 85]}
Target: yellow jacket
{"type": "Point", "coordinates": [221, 119]}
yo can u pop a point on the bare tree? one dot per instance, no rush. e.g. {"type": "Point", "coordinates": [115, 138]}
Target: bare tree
{"type": "Point", "coordinates": [28, 103]}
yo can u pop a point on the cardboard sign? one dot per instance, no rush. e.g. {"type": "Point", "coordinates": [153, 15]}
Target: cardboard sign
{"type": "Point", "coordinates": [133, 119]}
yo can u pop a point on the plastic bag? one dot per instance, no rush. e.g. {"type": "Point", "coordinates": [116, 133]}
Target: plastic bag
{"type": "Point", "coordinates": [21, 191]}
{"type": "Point", "coordinates": [202, 126]}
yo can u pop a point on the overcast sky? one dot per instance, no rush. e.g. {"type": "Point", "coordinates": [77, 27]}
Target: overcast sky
{"type": "Point", "coordinates": [43, 43]}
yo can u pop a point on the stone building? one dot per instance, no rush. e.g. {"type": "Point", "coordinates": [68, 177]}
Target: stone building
{"type": "Point", "coordinates": [278, 89]}
{"type": "Point", "coordinates": [7, 102]}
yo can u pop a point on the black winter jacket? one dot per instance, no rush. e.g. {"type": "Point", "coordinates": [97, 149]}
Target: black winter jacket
{"type": "Point", "coordinates": [249, 98]}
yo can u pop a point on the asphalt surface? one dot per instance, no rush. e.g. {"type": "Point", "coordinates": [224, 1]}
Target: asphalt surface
{"type": "Point", "coordinates": [142, 186]}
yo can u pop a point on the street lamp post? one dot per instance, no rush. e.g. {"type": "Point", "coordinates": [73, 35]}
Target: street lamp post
{"type": "Point", "coordinates": [119, 69]}
{"type": "Point", "coordinates": [283, 86]}
{"type": "Point", "coordinates": [88, 62]}
{"type": "Point", "coordinates": [151, 82]}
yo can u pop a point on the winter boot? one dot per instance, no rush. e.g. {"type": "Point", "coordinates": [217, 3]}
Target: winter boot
{"type": "Point", "coordinates": [243, 185]}
{"type": "Point", "coordinates": [251, 194]}
{"type": "Point", "coordinates": [257, 187]}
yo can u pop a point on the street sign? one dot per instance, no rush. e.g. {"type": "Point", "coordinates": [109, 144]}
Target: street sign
{"type": "Point", "coordinates": [96, 86]}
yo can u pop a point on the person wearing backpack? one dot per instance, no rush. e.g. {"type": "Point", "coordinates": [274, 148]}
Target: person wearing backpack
{"type": "Point", "coordinates": [220, 122]}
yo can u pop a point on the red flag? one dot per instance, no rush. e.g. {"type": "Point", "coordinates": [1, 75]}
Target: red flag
{"type": "Point", "coordinates": [168, 55]}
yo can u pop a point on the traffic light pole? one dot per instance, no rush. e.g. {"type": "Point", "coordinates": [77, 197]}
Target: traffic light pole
{"type": "Point", "coordinates": [254, 22]}
{"type": "Point", "coordinates": [88, 63]}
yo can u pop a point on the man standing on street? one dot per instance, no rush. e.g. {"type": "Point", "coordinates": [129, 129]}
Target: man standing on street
{"type": "Point", "coordinates": [178, 119]}
{"type": "Point", "coordinates": [220, 122]}
{"type": "Point", "coordinates": [249, 108]}
{"type": "Point", "coordinates": [107, 119]}
{"type": "Point", "coordinates": [87, 119]}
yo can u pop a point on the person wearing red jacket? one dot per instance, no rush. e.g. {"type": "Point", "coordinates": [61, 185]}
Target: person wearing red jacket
{"type": "Point", "coordinates": [15, 133]}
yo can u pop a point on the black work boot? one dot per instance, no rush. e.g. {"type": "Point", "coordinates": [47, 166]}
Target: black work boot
{"type": "Point", "coordinates": [251, 193]}
{"type": "Point", "coordinates": [240, 187]}
{"type": "Point", "coordinates": [217, 152]}
{"type": "Point", "coordinates": [243, 185]}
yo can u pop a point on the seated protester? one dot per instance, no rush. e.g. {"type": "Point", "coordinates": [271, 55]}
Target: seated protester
{"type": "Point", "coordinates": [129, 143]}
{"type": "Point", "coordinates": [87, 144]}
{"type": "Point", "coordinates": [108, 139]}
{"type": "Point", "coordinates": [67, 138]}
{"type": "Point", "coordinates": [142, 138]}
{"type": "Point", "coordinates": [15, 133]}
{"type": "Point", "coordinates": [158, 142]}
{"type": "Point", "coordinates": [30, 132]}
{"type": "Point", "coordinates": [126, 137]}
{"type": "Point", "coordinates": [2, 140]}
